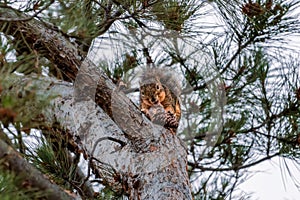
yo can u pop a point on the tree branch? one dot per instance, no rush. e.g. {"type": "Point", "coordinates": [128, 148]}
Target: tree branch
{"type": "Point", "coordinates": [11, 161]}
{"type": "Point", "coordinates": [47, 42]}
{"type": "Point", "coordinates": [235, 168]}
{"type": "Point", "coordinates": [27, 18]}
{"type": "Point", "coordinates": [152, 154]}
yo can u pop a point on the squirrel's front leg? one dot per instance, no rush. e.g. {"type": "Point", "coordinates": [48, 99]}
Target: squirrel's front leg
{"type": "Point", "coordinates": [145, 109]}
{"type": "Point", "coordinates": [146, 112]}
{"type": "Point", "coordinates": [159, 115]}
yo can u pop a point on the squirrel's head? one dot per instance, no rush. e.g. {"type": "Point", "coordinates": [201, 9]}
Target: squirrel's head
{"type": "Point", "coordinates": [152, 93]}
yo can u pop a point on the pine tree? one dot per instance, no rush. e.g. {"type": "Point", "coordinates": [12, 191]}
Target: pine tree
{"type": "Point", "coordinates": [70, 124]}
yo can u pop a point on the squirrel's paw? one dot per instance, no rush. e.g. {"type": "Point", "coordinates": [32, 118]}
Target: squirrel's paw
{"type": "Point", "coordinates": [157, 114]}
{"type": "Point", "coordinates": [146, 112]}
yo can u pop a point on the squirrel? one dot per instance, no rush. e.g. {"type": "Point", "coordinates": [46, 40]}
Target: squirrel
{"type": "Point", "coordinates": [159, 97]}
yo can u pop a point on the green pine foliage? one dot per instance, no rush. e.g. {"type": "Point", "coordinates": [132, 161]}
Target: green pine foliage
{"type": "Point", "coordinates": [9, 191]}
{"type": "Point", "coordinates": [248, 46]}
{"type": "Point", "coordinates": [54, 163]}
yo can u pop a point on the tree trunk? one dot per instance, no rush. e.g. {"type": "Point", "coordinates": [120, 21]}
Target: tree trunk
{"type": "Point", "coordinates": [130, 153]}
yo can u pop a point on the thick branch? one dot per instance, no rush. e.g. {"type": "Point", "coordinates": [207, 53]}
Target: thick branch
{"type": "Point", "coordinates": [11, 161]}
{"type": "Point", "coordinates": [134, 163]}
{"type": "Point", "coordinates": [59, 50]}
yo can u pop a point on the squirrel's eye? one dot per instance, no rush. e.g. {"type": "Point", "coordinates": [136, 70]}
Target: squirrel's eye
{"type": "Point", "coordinates": [157, 87]}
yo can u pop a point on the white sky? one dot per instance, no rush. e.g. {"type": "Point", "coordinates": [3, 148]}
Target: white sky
{"type": "Point", "coordinates": [270, 181]}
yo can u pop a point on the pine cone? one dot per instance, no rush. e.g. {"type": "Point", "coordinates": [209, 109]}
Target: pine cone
{"type": "Point", "coordinates": [171, 121]}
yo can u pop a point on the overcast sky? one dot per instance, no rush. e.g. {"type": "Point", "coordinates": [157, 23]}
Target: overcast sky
{"type": "Point", "coordinates": [271, 181]}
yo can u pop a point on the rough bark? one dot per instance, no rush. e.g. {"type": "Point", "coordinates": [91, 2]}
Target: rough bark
{"type": "Point", "coordinates": [148, 165]}
{"type": "Point", "coordinates": [131, 153]}
{"type": "Point", "coordinates": [28, 176]}
{"type": "Point", "coordinates": [45, 40]}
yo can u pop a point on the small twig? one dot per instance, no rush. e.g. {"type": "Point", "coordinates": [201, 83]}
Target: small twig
{"type": "Point", "coordinates": [26, 18]}
{"type": "Point", "coordinates": [131, 90]}
{"type": "Point", "coordinates": [93, 158]}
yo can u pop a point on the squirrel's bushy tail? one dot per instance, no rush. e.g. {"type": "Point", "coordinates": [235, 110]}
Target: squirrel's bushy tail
{"type": "Point", "coordinates": [167, 77]}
